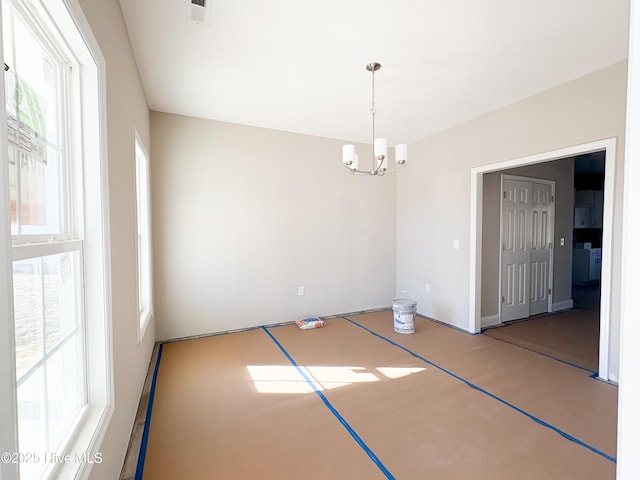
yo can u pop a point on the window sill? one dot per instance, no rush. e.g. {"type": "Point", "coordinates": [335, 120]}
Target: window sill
{"type": "Point", "coordinates": [84, 451]}
{"type": "Point", "coordinates": [143, 323]}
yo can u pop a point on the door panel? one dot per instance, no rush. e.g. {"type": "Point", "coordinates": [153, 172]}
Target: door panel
{"type": "Point", "coordinates": [541, 244]}
{"type": "Point", "coordinates": [515, 251]}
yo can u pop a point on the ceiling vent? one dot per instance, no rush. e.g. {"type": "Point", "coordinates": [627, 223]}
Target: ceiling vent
{"type": "Point", "coordinates": [199, 10]}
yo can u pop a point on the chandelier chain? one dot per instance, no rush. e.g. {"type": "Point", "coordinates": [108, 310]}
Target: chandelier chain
{"type": "Point", "coordinates": [373, 92]}
{"type": "Point", "coordinates": [373, 112]}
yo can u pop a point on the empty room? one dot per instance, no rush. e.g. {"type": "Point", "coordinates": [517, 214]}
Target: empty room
{"type": "Point", "coordinates": [226, 251]}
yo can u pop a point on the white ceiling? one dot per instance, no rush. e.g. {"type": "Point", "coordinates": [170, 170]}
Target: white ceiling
{"type": "Point", "coordinates": [299, 66]}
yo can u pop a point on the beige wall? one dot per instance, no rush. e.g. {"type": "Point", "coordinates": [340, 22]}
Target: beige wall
{"type": "Point", "coordinates": [433, 203]}
{"type": "Point", "coordinates": [243, 216]}
{"type": "Point", "coordinates": [126, 110]}
{"type": "Point", "coordinates": [560, 171]}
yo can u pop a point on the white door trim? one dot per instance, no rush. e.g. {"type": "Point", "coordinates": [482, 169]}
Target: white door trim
{"type": "Point", "coordinates": [475, 241]}
{"type": "Point", "coordinates": [552, 184]}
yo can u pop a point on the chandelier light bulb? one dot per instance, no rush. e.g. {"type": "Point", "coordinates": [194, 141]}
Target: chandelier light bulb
{"type": "Point", "coordinates": [348, 151]}
{"type": "Point", "coordinates": [380, 147]}
{"type": "Point", "coordinates": [401, 153]}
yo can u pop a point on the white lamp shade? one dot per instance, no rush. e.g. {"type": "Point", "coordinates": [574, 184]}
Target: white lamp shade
{"type": "Point", "coordinates": [354, 165]}
{"type": "Point", "coordinates": [380, 147]}
{"type": "Point", "coordinates": [348, 153]}
{"type": "Point", "coordinates": [401, 152]}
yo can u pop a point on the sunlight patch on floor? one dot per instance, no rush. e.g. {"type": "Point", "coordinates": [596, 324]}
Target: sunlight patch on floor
{"type": "Point", "coordinates": [288, 379]}
{"type": "Point", "coordinates": [399, 372]}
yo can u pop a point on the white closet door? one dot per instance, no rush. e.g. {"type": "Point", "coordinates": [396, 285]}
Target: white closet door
{"type": "Point", "coordinates": [527, 245]}
{"type": "Point", "coordinates": [541, 245]}
{"type": "Point", "coordinates": [516, 231]}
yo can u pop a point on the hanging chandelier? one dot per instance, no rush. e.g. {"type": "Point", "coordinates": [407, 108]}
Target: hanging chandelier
{"type": "Point", "coordinates": [380, 158]}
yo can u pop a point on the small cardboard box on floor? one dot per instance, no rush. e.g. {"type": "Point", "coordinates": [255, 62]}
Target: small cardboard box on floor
{"type": "Point", "coordinates": [309, 323]}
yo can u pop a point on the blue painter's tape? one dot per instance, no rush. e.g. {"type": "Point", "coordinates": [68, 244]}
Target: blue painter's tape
{"type": "Point", "coordinates": [489, 394]}
{"type": "Point", "coordinates": [147, 422]}
{"type": "Point", "coordinates": [333, 410]}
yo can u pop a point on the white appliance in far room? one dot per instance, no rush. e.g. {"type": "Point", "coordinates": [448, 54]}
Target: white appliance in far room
{"type": "Point", "coordinates": [587, 264]}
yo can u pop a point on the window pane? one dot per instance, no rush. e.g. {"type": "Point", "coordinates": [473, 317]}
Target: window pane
{"type": "Point", "coordinates": [31, 422]}
{"type": "Point", "coordinates": [65, 390]}
{"type": "Point", "coordinates": [14, 161]}
{"type": "Point", "coordinates": [28, 300]}
{"type": "Point", "coordinates": [144, 234]}
{"type": "Point", "coordinates": [61, 294]}
{"type": "Point", "coordinates": [33, 92]}
{"type": "Point", "coordinates": [40, 196]}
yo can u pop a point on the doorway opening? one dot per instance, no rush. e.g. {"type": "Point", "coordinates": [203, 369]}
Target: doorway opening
{"type": "Point", "coordinates": [589, 176]}
{"type": "Point", "coordinates": [480, 289]}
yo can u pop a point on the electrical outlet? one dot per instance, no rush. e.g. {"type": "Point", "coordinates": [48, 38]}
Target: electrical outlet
{"type": "Point", "coordinates": [427, 288]}
{"type": "Point", "coordinates": [300, 291]}
{"type": "Point", "coordinates": [456, 244]}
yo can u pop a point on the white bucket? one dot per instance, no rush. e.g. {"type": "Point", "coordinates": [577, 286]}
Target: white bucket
{"type": "Point", "coordinates": [404, 315]}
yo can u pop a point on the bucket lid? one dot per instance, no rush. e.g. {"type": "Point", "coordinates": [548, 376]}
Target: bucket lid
{"type": "Point", "coordinates": [404, 303]}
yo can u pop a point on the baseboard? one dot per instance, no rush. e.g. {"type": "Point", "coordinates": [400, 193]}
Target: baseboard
{"type": "Point", "coordinates": [489, 321]}
{"type": "Point", "coordinates": [564, 305]}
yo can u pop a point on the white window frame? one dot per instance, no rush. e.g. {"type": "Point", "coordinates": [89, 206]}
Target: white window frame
{"type": "Point", "coordinates": [66, 16]}
{"type": "Point", "coordinates": [143, 237]}
{"type": "Point", "coordinates": [29, 246]}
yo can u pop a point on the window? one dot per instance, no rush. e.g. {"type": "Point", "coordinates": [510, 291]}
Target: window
{"type": "Point", "coordinates": [58, 276]}
{"type": "Point", "coordinates": [144, 236]}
